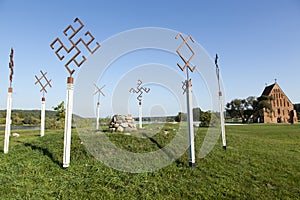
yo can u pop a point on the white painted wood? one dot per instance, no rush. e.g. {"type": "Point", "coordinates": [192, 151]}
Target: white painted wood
{"type": "Point", "coordinates": [68, 125]}
{"type": "Point", "coordinates": [140, 116]}
{"type": "Point", "coordinates": [190, 123]}
{"type": "Point", "coordinates": [98, 116]}
{"type": "Point", "coordinates": [43, 117]}
{"type": "Point", "coordinates": [8, 122]}
{"type": "Point", "coordinates": [222, 120]}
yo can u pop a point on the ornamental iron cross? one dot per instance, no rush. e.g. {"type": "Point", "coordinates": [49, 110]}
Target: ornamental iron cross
{"type": "Point", "coordinates": [74, 46]}
{"type": "Point", "coordinates": [11, 66]}
{"type": "Point", "coordinates": [139, 90]}
{"type": "Point", "coordinates": [184, 87]}
{"type": "Point", "coordinates": [186, 84]}
{"type": "Point", "coordinates": [43, 84]}
{"type": "Point", "coordinates": [99, 91]}
{"type": "Point", "coordinates": [186, 62]}
{"type": "Point", "coordinates": [217, 67]}
{"type": "Point", "coordinates": [218, 74]}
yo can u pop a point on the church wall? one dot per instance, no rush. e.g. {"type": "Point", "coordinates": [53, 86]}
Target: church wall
{"type": "Point", "coordinates": [283, 109]}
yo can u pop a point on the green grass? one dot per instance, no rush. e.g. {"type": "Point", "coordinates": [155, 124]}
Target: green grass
{"type": "Point", "coordinates": [261, 162]}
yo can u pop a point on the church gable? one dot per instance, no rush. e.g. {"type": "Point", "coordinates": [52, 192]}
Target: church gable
{"type": "Point", "coordinates": [267, 91]}
{"type": "Point", "coordinates": [282, 107]}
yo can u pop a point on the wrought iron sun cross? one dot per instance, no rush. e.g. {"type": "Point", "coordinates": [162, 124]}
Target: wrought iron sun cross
{"type": "Point", "coordinates": [44, 83]}
{"type": "Point", "coordinates": [139, 90]}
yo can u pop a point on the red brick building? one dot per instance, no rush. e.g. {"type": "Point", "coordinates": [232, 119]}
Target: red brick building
{"type": "Point", "coordinates": [283, 108]}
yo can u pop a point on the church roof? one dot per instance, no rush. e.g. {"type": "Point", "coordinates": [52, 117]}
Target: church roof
{"type": "Point", "coordinates": [268, 90]}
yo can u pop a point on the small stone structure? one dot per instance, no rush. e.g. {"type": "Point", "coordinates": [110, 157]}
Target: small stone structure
{"type": "Point", "coordinates": [122, 123]}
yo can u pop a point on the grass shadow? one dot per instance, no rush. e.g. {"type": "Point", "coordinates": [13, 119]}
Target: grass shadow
{"type": "Point", "coordinates": [169, 154]}
{"type": "Point", "coordinates": [45, 152]}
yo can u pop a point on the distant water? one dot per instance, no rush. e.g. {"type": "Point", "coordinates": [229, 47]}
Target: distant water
{"type": "Point", "coordinates": [144, 122]}
{"type": "Point", "coordinates": [2, 128]}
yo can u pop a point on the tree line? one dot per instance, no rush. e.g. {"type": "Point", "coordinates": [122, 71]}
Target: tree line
{"type": "Point", "coordinates": [206, 118]}
{"type": "Point", "coordinates": [252, 108]}
{"type": "Point", "coordinates": [297, 108]}
{"type": "Point", "coordinates": [54, 118]}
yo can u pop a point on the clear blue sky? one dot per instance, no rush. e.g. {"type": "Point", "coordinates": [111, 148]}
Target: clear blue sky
{"type": "Point", "coordinates": [257, 41]}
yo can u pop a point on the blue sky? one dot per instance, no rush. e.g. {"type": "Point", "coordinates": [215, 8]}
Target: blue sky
{"type": "Point", "coordinates": [257, 41]}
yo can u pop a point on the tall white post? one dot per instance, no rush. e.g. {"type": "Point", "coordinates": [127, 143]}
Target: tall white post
{"type": "Point", "coordinates": [43, 117]}
{"type": "Point", "coordinates": [190, 122]}
{"type": "Point", "coordinates": [68, 123]}
{"type": "Point", "coordinates": [8, 120]}
{"type": "Point", "coordinates": [98, 115]}
{"type": "Point", "coordinates": [140, 115]}
{"type": "Point", "coordinates": [222, 121]}
{"type": "Point", "coordinates": [221, 104]}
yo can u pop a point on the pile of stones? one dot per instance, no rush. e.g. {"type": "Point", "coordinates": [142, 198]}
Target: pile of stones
{"type": "Point", "coordinates": [122, 123]}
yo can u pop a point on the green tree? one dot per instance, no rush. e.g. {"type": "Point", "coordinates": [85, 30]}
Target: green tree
{"type": "Point", "coordinates": [196, 114]}
{"type": "Point", "coordinates": [60, 111]}
{"type": "Point", "coordinates": [249, 108]}
{"type": "Point", "coordinates": [297, 108]}
{"type": "Point", "coordinates": [260, 104]}
{"type": "Point", "coordinates": [181, 117]}
{"type": "Point", "coordinates": [30, 120]}
{"type": "Point", "coordinates": [205, 118]}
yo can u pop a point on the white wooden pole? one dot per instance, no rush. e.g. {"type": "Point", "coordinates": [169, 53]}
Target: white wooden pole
{"type": "Point", "coordinates": [98, 115]}
{"type": "Point", "coordinates": [68, 123]}
{"type": "Point", "coordinates": [140, 115]}
{"type": "Point", "coordinates": [222, 121]}
{"type": "Point", "coordinates": [43, 117]}
{"type": "Point", "coordinates": [8, 120]}
{"type": "Point", "coordinates": [190, 122]}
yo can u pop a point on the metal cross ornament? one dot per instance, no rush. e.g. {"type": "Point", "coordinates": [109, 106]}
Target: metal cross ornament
{"type": "Point", "coordinates": [186, 61]}
{"type": "Point", "coordinates": [11, 66]}
{"type": "Point", "coordinates": [43, 84]}
{"type": "Point", "coordinates": [187, 88]}
{"type": "Point", "coordinates": [140, 90]}
{"type": "Point", "coordinates": [99, 91]}
{"type": "Point", "coordinates": [74, 49]}
{"type": "Point", "coordinates": [217, 67]}
{"type": "Point", "coordinates": [221, 104]}
{"type": "Point", "coordinates": [218, 74]}
{"type": "Point", "coordinates": [184, 87]}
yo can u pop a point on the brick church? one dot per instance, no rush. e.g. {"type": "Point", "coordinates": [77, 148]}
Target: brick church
{"type": "Point", "coordinates": [282, 108]}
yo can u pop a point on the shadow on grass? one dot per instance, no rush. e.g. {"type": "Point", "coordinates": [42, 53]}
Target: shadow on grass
{"type": "Point", "coordinates": [169, 154]}
{"type": "Point", "coordinates": [45, 152]}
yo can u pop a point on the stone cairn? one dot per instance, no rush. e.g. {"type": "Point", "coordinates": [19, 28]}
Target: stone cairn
{"type": "Point", "coordinates": [122, 123]}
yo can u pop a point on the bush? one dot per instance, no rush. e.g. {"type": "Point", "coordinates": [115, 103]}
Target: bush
{"type": "Point", "coordinates": [30, 120]}
{"type": "Point", "coordinates": [51, 123]}
{"type": "Point", "coordinates": [205, 119]}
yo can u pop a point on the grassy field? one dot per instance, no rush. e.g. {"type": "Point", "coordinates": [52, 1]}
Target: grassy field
{"type": "Point", "coordinates": [261, 162]}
